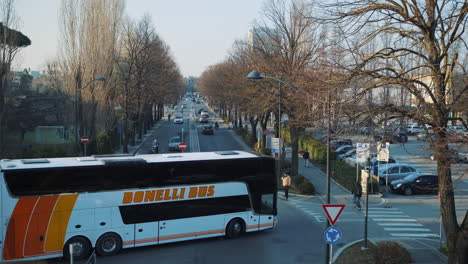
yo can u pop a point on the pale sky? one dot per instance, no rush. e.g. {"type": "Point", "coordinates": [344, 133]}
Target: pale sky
{"type": "Point", "coordinates": [199, 32]}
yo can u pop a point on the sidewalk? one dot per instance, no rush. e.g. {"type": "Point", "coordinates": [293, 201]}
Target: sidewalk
{"type": "Point", "coordinates": [132, 149]}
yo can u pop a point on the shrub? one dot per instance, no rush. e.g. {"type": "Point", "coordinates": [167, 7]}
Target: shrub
{"type": "Point", "coordinates": [302, 185]}
{"type": "Point", "coordinates": [389, 252]}
{"type": "Point", "coordinates": [48, 151]}
{"type": "Point", "coordinates": [104, 144]}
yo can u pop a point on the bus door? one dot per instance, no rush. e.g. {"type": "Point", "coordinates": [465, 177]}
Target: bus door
{"type": "Point", "coordinates": [266, 217]}
{"type": "Point", "coordinates": [146, 234]}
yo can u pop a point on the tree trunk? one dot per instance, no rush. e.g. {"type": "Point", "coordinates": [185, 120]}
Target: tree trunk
{"type": "Point", "coordinates": [295, 148]}
{"type": "Point", "coordinates": [253, 125]}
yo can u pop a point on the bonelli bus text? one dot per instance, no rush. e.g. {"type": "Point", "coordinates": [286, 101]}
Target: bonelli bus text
{"type": "Point", "coordinates": [117, 202]}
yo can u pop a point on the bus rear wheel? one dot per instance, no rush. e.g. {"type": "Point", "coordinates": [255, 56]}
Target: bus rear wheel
{"type": "Point", "coordinates": [81, 248]}
{"type": "Point", "coordinates": [108, 244]}
{"type": "Point", "coordinates": [235, 228]}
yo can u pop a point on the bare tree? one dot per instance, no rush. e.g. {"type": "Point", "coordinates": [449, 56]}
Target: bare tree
{"type": "Point", "coordinates": [423, 58]}
{"type": "Point", "coordinates": [11, 41]}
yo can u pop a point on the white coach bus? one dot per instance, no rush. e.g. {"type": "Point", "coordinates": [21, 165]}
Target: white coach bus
{"type": "Point", "coordinates": [114, 202]}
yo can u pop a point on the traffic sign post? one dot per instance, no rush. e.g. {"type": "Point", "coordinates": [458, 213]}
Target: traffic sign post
{"type": "Point", "coordinates": [332, 234]}
{"type": "Point", "coordinates": [333, 211]}
{"type": "Point", "coordinates": [182, 146]}
{"type": "Point", "coordinates": [85, 141]}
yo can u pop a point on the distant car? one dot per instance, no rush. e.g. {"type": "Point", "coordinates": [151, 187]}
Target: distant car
{"type": "Point", "coordinates": [343, 149]}
{"type": "Point", "coordinates": [453, 137]}
{"type": "Point", "coordinates": [204, 119]}
{"type": "Point", "coordinates": [347, 154]}
{"type": "Point", "coordinates": [374, 163]}
{"type": "Point", "coordinates": [401, 137]}
{"type": "Point", "coordinates": [385, 138]}
{"type": "Point", "coordinates": [416, 183]}
{"type": "Point", "coordinates": [423, 136]}
{"type": "Point", "coordinates": [414, 129]}
{"type": "Point", "coordinates": [207, 130]}
{"type": "Point", "coordinates": [393, 172]}
{"type": "Point", "coordinates": [174, 143]}
{"type": "Point", "coordinates": [341, 142]}
{"type": "Point", "coordinates": [178, 120]}
{"type": "Point", "coordinates": [200, 111]}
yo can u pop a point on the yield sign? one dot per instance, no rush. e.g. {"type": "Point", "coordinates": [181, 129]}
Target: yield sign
{"type": "Point", "coordinates": [333, 211]}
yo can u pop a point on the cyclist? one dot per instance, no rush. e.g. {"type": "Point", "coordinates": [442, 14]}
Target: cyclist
{"type": "Point", "coordinates": [357, 193]}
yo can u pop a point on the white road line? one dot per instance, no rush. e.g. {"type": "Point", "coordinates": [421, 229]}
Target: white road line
{"type": "Point", "coordinates": [384, 212]}
{"type": "Point", "coordinates": [413, 235]}
{"type": "Point", "coordinates": [388, 216]}
{"type": "Point", "coordinates": [382, 208]}
{"type": "Point", "coordinates": [399, 224]}
{"type": "Point", "coordinates": [399, 229]}
{"type": "Point", "coordinates": [394, 219]}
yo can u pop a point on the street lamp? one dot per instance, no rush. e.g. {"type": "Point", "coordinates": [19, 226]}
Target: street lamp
{"type": "Point", "coordinates": [78, 111]}
{"type": "Point", "coordinates": [254, 75]}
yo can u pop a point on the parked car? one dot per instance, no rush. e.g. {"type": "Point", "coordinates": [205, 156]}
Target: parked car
{"type": "Point", "coordinates": [416, 183]}
{"type": "Point", "coordinates": [423, 136]}
{"type": "Point", "coordinates": [347, 154]}
{"type": "Point", "coordinates": [393, 172]}
{"type": "Point", "coordinates": [453, 137]}
{"type": "Point", "coordinates": [207, 130]}
{"type": "Point", "coordinates": [341, 142]}
{"type": "Point", "coordinates": [401, 137]}
{"type": "Point", "coordinates": [200, 111]}
{"type": "Point", "coordinates": [178, 120]}
{"type": "Point", "coordinates": [385, 138]}
{"type": "Point", "coordinates": [174, 143]}
{"type": "Point", "coordinates": [414, 129]}
{"type": "Point", "coordinates": [374, 163]}
{"type": "Point", "coordinates": [343, 149]}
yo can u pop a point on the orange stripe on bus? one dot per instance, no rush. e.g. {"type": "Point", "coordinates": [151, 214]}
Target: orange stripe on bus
{"type": "Point", "coordinates": [55, 236]}
{"type": "Point", "coordinates": [266, 225]}
{"type": "Point", "coordinates": [14, 239]}
{"type": "Point", "coordinates": [36, 231]}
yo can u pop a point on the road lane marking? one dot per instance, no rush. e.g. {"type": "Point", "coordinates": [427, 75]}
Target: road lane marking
{"type": "Point", "coordinates": [388, 216]}
{"type": "Point", "coordinates": [384, 212]}
{"type": "Point", "coordinates": [407, 229]}
{"type": "Point", "coordinates": [382, 208]}
{"type": "Point", "coordinates": [399, 224]}
{"type": "Point", "coordinates": [413, 235]}
{"type": "Point", "coordinates": [394, 219]}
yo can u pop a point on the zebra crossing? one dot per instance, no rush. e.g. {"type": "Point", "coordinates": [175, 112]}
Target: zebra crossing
{"type": "Point", "coordinates": [315, 211]}
{"type": "Point", "coordinates": [398, 224]}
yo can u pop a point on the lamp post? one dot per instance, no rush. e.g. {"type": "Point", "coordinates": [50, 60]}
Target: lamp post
{"type": "Point", "coordinates": [78, 108]}
{"type": "Point", "coordinates": [254, 75]}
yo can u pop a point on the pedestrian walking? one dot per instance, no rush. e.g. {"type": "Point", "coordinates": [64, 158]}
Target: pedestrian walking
{"type": "Point", "coordinates": [169, 117]}
{"type": "Point", "coordinates": [286, 183]}
{"type": "Point", "coordinates": [306, 156]}
{"type": "Point", "coordinates": [357, 193]}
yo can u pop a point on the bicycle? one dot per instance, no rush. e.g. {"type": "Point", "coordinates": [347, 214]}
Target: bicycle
{"type": "Point", "coordinates": [357, 202]}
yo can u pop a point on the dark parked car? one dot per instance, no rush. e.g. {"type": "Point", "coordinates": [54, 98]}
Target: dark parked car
{"type": "Point", "coordinates": [416, 183]}
{"type": "Point", "coordinates": [401, 137]}
{"type": "Point", "coordinates": [207, 130]}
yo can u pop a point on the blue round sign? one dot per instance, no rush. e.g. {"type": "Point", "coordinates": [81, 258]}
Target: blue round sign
{"type": "Point", "coordinates": [332, 235]}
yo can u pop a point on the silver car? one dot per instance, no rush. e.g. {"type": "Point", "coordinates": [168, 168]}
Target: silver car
{"type": "Point", "coordinates": [174, 143]}
{"type": "Point", "coordinates": [393, 171]}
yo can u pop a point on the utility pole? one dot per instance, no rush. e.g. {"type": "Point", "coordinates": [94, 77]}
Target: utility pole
{"type": "Point", "coordinates": [328, 247]}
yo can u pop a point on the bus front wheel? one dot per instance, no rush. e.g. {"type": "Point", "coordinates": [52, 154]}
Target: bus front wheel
{"type": "Point", "coordinates": [108, 244]}
{"type": "Point", "coordinates": [235, 228]}
{"type": "Point", "coordinates": [81, 248]}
